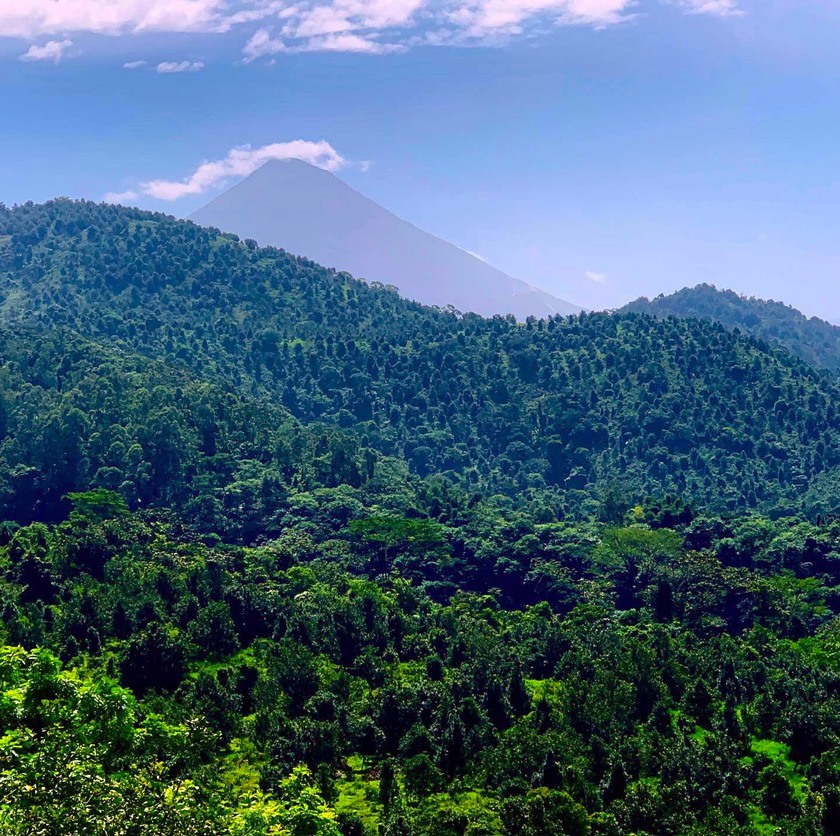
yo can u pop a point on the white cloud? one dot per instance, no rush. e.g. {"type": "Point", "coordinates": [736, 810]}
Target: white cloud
{"type": "Point", "coordinates": [488, 18]}
{"type": "Point", "coordinates": [180, 66]}
{"type": "Point", "coordinates": [34, 18]}
{"type": "Point", "coordinates": [50, 51]}
{"type": "Point", "coordinates": [354, 15]}
{"type": "Point", "coordinates": [348, 42]}
{"type": "Point", "coordinates": [360, 25]}
{"type": "Point", "coordinates": [271, 27]}
{"type": "Point", "coordinates": [310, 18]}
{"type": "Point", "coordinates": [598, 278]}
{"type": "Point", "coordinates": [240, 162]}
{"type": "Point", "coordinates": [262, 44]}
{"type": "Point", "coordinates": [120, 197]}
{"type": "Point", "coordinates": [477, 255]}
{"type": "Point", "coordinates": [338, 26]}
{"type": "Point", "coordinates": [135, 65]}
{"type": "Point", "coordinates": [717, 8]}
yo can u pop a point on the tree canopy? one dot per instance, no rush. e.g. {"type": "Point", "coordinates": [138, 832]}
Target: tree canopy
{"type": "Point", "coordinates": [282, 554]}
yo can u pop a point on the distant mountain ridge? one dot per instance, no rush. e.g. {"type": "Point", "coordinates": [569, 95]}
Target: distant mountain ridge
{"type": "Point", "coordinates": [309, 212]}
{"type": "Point", "coordinates": [809, 338]}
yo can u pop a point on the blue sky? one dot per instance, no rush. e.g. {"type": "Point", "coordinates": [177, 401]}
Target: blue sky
{"type": "Point", "coordinates": [601, 149]}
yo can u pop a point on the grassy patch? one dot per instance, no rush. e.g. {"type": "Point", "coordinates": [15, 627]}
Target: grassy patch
{"type": "Point", "coordinates": [358, 792]}
{"type": "Point", "coordinates": [779, 753]}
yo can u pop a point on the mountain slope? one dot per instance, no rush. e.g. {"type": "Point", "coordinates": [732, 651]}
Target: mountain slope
{"type": "Point", "coordinates": [76, 414]}
{"type": "Point", "coordinates": [238, 621]}
{"type": "Point", "coordinates": [312, 213]}
{"type": "Point", "coordinates": [564, 408]}
{"type": "Point", "coordinates": [813, 340]}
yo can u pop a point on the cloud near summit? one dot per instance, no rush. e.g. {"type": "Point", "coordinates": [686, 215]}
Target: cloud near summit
{"type": "Point", "coordinates": [270, 27]}
{"type": "Point", "coordinates": [239, 162]}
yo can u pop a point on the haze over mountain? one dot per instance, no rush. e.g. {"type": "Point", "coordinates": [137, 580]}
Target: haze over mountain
{"type": "Point", "coordinates": [311, 212]}
{"type": "Point", "coordinates": [809, 338]}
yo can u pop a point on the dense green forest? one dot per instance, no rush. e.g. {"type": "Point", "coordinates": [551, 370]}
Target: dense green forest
{"type": "Point", "coordinates": [404, 676]}
{"type": "Point", "coordinates": [287, 555]}
{"type": "Point", "coordinates": [569, 406]}
{"type": "Point", "coordinates": [809, 338]}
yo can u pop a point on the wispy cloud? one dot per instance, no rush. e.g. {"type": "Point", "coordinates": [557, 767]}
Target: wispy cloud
{"type": "Point", "coordinates": [486, 18]}
{"type": "Point", "coordinates": [51, 51]}
{"type": "Point", "coordinates": [380, 26]}
{"type": "Point", "coordinates": [262, 44]}
{"type": "Point", "coordinates": [180, 66]}
{"type": "Point", "coordinates": [716, 8]}
{"type": "Point", "coordinates": [271, 27]}
{"type": "Point", "coordinates": [120, 197]}
{"type": "Point", "coordinates": [239, 162]}
{"type": "Point", "coordinates": [598, 278]}
{"type": "Point", "coordinates": [134, 65]}
{"type": "Point", "coordinates": [35, 18]}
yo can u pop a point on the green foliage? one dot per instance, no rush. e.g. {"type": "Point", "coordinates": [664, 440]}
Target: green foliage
{"type": "Point", "coordinates": [286, 555]}
{"type": "Point", "coordinates": [96, 505]}
{"type": "Point", "coordinates": [813, 340]}
{"type": "Point", "coordinates": [571, 413]}
{"type": "Point", "coordinates": [310, 691]}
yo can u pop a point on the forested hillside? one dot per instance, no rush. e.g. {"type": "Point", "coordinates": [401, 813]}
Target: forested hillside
{"type": "Point", "coordinates": [496, 675]}
{"type": "Point", "coordinates": [573, 406]}
{"type": "Point", "coordinates": [286, 555]}
{"type": "Point", "coordinates": [813, 340]}
{"type": "Point", "coordinates": [75, 414]}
